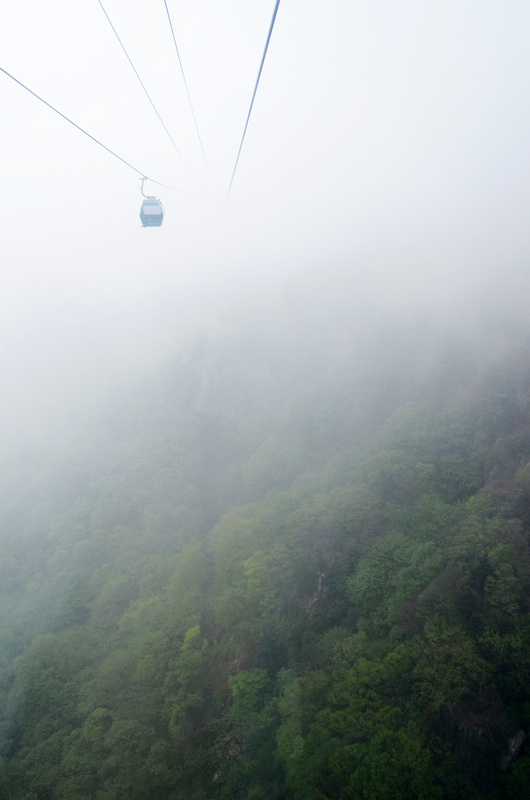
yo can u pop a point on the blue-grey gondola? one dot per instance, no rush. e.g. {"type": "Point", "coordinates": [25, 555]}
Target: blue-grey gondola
{"type": "Point", "coordinates": [152, 213]}
{"type": "Point", "coordinates": [152, 210]}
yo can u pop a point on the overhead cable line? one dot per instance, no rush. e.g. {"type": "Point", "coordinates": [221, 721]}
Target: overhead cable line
{"type": "Point", "coordinates": [143, 86]}
{"type": "Point", "coordinates": [79, 128]}
{"type": "Point", "coordinates": [186, 85]}
{"type": "Point", "coordinates": [255, 91]}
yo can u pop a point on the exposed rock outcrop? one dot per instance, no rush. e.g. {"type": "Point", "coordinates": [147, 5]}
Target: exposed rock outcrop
{"type": "Point", "coordinates": [512, 751]}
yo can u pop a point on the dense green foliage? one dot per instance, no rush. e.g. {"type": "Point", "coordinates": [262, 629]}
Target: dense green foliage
{"type": "Point", "coordinates": [294, 566]}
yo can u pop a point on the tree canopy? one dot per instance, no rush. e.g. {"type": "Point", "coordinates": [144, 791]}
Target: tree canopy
{"type": "Point", "coordinates": [294, 565]}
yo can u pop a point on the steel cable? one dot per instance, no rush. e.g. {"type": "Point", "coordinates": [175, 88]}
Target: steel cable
{"type": "Point", "coordinates": [143, 86]}
{"type": "Point", "coordinates": [255, 91]}
{"type": "Point", "coordinates": [79, 128]}
{"type": "Point", "coordinates": [186, 85]}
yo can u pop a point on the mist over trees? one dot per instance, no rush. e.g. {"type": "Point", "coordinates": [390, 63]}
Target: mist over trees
{"type": "Point", "coordinates": [292, 563]}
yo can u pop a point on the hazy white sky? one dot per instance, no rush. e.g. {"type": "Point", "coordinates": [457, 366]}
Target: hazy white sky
{"type": "Point", "coordinates": [392, 133]}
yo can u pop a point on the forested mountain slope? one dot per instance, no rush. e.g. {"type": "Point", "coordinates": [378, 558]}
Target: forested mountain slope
{"type": "Point", "coordinates": [293, 564]}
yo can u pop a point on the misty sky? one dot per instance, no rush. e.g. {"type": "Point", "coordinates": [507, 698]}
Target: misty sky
{"type": "Point", "coordinates": [389, 138]}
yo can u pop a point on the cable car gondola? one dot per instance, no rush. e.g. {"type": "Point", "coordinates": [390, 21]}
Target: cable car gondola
{"type": "Point", "coordinates": [152, 211]}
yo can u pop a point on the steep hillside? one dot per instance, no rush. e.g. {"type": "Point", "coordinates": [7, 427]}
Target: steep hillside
{"type": "Point", "coordinates": [294, 564]}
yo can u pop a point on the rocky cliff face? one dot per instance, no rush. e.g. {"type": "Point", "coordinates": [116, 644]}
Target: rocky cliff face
{"type": "Point", "coordinates": [515, 744]}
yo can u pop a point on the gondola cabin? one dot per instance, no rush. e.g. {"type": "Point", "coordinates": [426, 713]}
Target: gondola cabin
{"type": "Point", "coordinates": [151, 213]}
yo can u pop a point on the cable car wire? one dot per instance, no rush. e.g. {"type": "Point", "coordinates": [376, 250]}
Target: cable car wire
{"type": "Point", "coordinates": [186, 86]}
{"type": "Point", "coordinates": [79, 128]}
{"type": "Point", "coordinates": [143, 86]}
{"type": "Point", "coordinates": [255, 91]}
